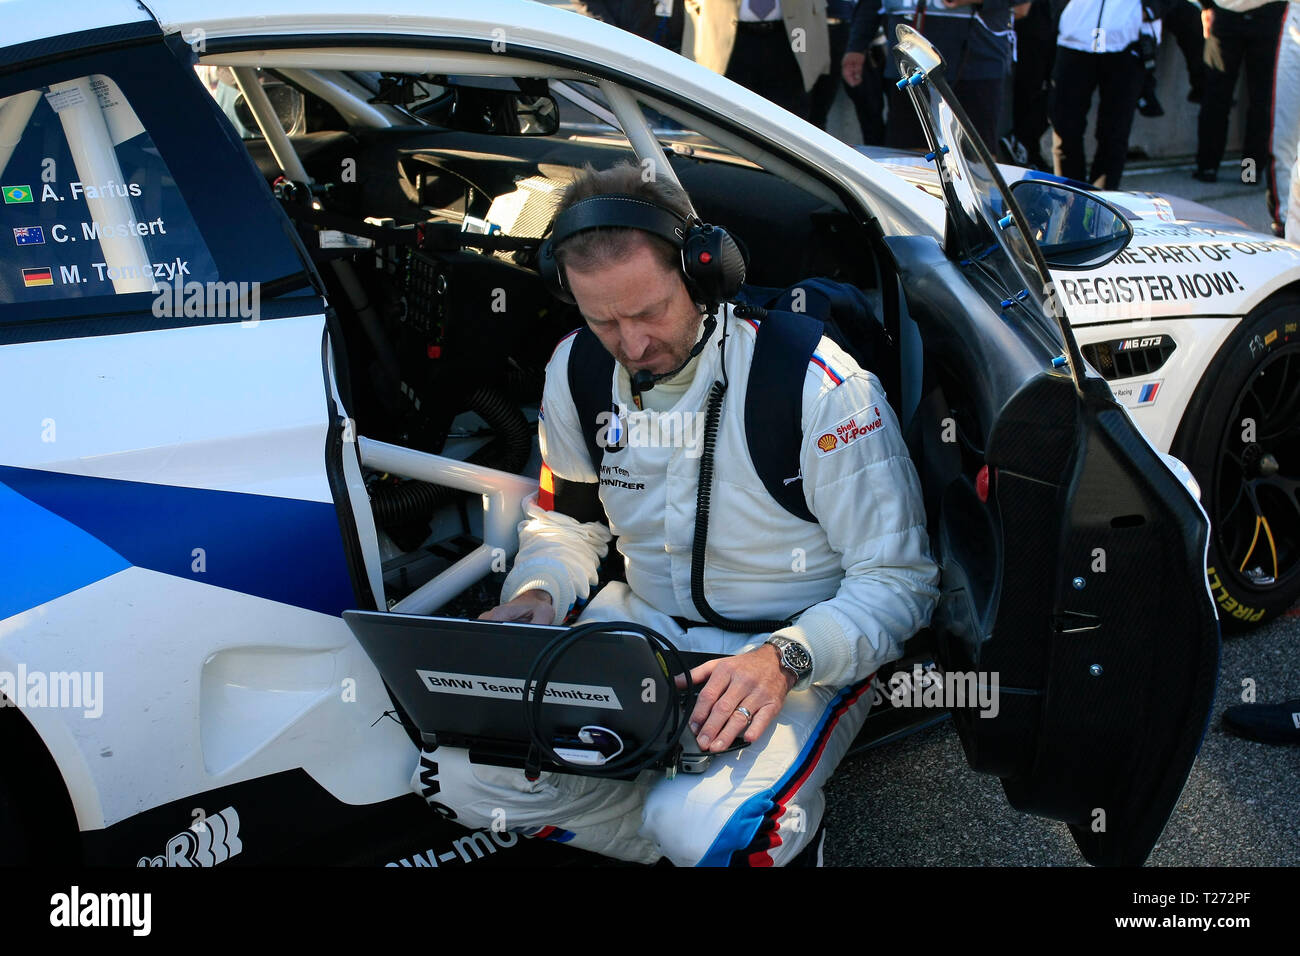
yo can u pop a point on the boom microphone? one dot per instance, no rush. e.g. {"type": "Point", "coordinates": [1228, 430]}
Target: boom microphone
{"type": "Point", "coordinates": [644, 380]}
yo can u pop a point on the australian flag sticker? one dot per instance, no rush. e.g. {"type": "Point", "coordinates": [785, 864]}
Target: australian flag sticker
{"type": "Point", "coordinates": [29, 236]}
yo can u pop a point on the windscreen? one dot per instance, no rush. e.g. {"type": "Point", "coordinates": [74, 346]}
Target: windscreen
{"type": "Point", "coordinates": [983, 237]}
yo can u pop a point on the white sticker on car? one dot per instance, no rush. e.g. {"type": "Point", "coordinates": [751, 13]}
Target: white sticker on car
{"type": "Point", "coordinates": [1137, 394]}
{"type": "Point", "coordinates": [858, 426]}
{"type": "Point", "coordinates": [506, 688]}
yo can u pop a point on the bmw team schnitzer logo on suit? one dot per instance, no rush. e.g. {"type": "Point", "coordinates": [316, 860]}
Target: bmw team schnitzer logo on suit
{"type": "Point", "coordinates": [611, 435]}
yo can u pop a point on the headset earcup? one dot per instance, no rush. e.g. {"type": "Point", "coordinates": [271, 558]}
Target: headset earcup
{"type": "Point", "coordinates": [713, 263]}
{"type": "Point", "coordinates": [551, 273]}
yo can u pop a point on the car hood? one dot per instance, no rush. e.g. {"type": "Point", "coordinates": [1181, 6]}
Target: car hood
{"type": "Point", "coordinates": [1185, 258]}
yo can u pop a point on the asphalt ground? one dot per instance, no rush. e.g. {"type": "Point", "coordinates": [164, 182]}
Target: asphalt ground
{"type": "Point", "coordinates": [1231, 194]}
{"type": "Point", "coordinates": [917, 803]}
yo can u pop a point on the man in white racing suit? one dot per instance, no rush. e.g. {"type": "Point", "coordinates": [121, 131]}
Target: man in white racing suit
{"type": "Point", "coordinates": [861, 573]}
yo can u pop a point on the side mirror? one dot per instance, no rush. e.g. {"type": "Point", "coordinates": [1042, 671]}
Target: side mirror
{"type": "Point", "coordinates": [503, 112]}
{"type": "Point", "coordinates": [1074, 228]}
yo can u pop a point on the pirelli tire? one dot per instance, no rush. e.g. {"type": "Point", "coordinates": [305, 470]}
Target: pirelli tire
{"type": "Point", "coordinates": [1240, 437]}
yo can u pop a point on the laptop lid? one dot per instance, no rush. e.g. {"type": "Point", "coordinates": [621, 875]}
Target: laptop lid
{"type": "Point", "coordinates": [462, 681]}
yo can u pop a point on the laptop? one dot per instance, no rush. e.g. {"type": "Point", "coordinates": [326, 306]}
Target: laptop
{"type": "Point", "coordinates": [461, 682]}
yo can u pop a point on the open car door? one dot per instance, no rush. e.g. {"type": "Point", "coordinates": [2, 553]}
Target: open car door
{"type": "Point", "coordinates": [1073, 559]}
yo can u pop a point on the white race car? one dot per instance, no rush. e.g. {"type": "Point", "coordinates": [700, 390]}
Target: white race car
{"type": "Point", "coordinates": [268, 331]}
{"type": "Point", "coordinates": [1196, 325]}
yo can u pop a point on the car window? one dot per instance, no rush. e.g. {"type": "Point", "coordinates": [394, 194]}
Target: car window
{"type": "Point", "coordinates": [583, 107]}
{"type": "Point", "coordinates": [119, 180]}
{"type": "Point", "coordinates": [406, 92]}
{"type": "Point", "coordinates": [89, 202]}
{"type": "Point", "coordinates": [220, 82]}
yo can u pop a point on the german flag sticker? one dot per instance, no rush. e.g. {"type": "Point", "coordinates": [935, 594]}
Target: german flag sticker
{"type": "Point", "coordinates": [35, 277]}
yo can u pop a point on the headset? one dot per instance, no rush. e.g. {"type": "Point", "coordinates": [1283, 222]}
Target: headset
{"type": "Point", "coordinates": [713, 264]}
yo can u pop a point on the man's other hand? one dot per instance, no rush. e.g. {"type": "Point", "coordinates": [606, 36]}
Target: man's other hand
{"type": "Point", "coordinates": [754, 680]}
{"type": "Point", "coordinates": [531, 607]}
{"type": "Point", "coordinates": [1207, 22]}
{"type": "Point", "coordinates": [851, 68]}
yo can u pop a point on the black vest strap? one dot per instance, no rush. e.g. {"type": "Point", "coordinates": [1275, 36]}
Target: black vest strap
{"type": "Point", "coordinates": [774, 405]}
{"type": "Point", "coordinates": [773, 401]}
{"type": "Point", "coordinates": [591, 370]}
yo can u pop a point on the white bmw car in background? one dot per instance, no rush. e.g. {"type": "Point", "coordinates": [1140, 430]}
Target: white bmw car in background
{"type": "Point", "coordinates": [271, 344]}
{"type": "Point", "coordinates": [1196, 326]}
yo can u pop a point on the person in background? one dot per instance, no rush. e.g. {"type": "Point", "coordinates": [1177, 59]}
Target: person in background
{"type": "Point", "coordinates": [1148, 45]}
{"type": "Point", "coordinates": [1031, 83]}
{"type": "Point", "coordinates": [1267, 723]}
{"type": "Point", "coordinates": [1234, 41]}
{"type": "Point", "coordinates": [1182, 20]}
{"type": "Point", "coordinates": [975, 41]}
{"type": "Point", "coordinates": [657, 20]}
{"type": "Point", "coordinates": [777, 48]}
{"type": "Point", "coordinates": [1282, 170]}
{"type": "Point", "coordinates": [867, 97]}
{"type": "Point", "coordinates": [863, 71]}
{"type": "Point", "coordinates": [1098, 49]}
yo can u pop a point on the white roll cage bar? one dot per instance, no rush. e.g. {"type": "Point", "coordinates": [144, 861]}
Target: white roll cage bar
{"type": "Point", "coordinates": [323, 72]}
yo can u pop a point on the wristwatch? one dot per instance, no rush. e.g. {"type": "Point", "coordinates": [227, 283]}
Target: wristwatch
{"type": "Point", "coordinates": [796, 659]}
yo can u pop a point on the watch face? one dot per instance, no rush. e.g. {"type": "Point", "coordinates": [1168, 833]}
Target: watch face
{"type": "Point", "coordinates": [797, 657]}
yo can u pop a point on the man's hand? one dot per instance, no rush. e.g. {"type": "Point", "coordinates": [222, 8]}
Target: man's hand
{"type": "Point", "coordinates": [1207, 22]}
{"type": "Point", "coordinates": [531, 607]}
{"type": "Point", "coordinates": [851, 68]}
{"type": "Point", "coordinates": [754, 680]}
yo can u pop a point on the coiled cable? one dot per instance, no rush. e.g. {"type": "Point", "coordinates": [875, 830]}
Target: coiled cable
{"type": "Point", "coordinates": [655, 749]}
{"type": "Point", "coordinates": [703, 493]}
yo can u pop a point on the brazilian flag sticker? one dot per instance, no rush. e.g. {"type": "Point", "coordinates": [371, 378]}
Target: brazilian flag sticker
{"type": "Point", "coordinates": [14, 194]}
